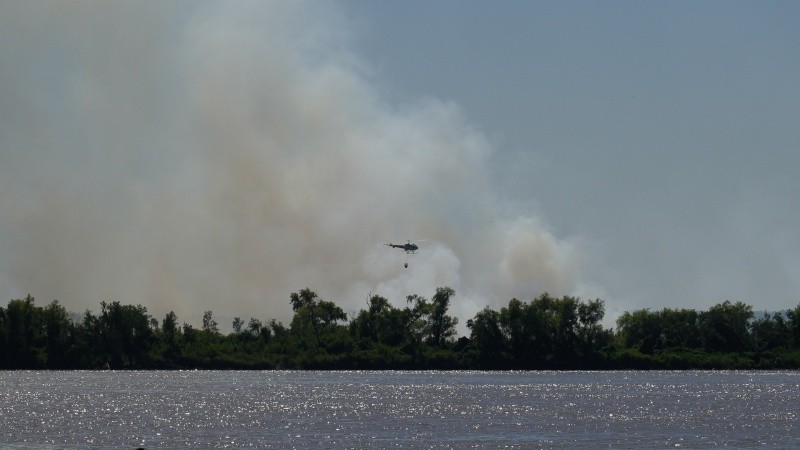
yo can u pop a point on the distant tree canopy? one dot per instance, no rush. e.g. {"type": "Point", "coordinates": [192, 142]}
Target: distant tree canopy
{"type": "Point", "coordinates": [543, 333]}
{"type": "Point", "coordinates": [546, 332]}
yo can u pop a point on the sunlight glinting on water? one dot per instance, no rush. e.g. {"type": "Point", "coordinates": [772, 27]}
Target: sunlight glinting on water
{"type": "Point", "coordinates": [400, 409]}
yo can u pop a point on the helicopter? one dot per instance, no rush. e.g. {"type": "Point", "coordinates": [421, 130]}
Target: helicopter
{"type": "Point", "coordinates": [408, 247]}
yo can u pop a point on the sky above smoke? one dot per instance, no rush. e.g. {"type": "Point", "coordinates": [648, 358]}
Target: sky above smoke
{"type": "Point", "coordinates": [208, 156]}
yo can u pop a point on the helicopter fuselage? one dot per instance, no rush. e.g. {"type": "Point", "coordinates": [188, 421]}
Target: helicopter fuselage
{"type": "Point", "coordinates": [408, 247]}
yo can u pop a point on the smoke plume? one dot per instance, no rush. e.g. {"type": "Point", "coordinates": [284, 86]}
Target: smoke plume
{"type": "Point", "coordinates": [205, 156]}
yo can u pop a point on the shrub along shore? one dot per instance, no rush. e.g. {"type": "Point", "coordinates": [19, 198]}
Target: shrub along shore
{"type": "Point", "coordinates": [543, 333]}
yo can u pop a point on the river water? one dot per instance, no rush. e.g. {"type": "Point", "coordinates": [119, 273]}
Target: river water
{"type": "Point", "coordinates": [292, 409]}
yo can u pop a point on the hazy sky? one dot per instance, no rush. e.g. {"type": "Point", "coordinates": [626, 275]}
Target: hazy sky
{"type": "Point", "coordinates": [200, 155]}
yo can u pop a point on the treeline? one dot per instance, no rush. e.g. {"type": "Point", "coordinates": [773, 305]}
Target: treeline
{"type": "Point", "coordinates": [544, 333]}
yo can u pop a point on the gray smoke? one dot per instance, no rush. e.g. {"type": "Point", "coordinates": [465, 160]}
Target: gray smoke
{"type": "Point", "coordinates": [217, 156]}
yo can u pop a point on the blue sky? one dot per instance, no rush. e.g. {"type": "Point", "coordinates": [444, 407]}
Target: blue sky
{"type": "Point", "coordinates": [195, 156]}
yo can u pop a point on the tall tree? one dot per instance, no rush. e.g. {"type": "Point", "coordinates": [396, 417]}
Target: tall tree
{"type": "Point", "coordinates": [725, 326]}
{"type": "Point", "coordinates": [59, 333]}
{"type": "Point", "coordinates": [487, 338]}
{"type": "Point", "coordinates": [258, 330]}
{"type": "Point", "coordinates": [209, 324]}
{"type": "Point", "coordinates": [126, 333]}
{"type": "Point", "coordinates": [4, 362]}
{"type": "Point", "coordinates": [313, 316]}
{"type": "Point", "coordinates": [771, 332]}
{"type": "Point", "coordinates": [238, 325]}
{"type": "Point", "coordinates": [441, 327]}
{"type": "Point", "coordinates": [169, 326]}
{"type": "Point", "coordinates": [794, 325]}
{"type": "Point", "coordinates": [24, 333]}
{"type": "Point", "coordinates": [169, 331]}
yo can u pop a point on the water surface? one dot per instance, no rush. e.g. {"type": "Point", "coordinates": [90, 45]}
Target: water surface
{"type": "Point", "coordinates": [362, 409]}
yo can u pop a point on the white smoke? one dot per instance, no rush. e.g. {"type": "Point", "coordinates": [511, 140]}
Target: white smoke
{"type": "Point", "coordinates": [218, 156]}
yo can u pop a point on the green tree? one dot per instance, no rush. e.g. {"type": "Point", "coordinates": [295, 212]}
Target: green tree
{"type": "Point", "coordinates": [416, 321]}
{"type": "Point", "coordinates": [58, 334]}
{"type": "Point", "coordinates": [591, 334]}
{"type": "Point", "coordinates": [680, 329]}
{"type": "Point", "coordinates": [279, 330]}
{"type": "Point", "coordinates": [366, 324]}
{"type": "Point", "coordinates": [126, 334]}
{"type": "Point", "coordinates": [170, 333]}
{"type": "Point", "coordinates": [91, 342]}
{"type": "Point", "coordinates": [314, 317]}
{"type": "Point", "coordinates": [4, 363]}
{"type": "Point", "coordinates": [565, 326]}
{"type": "Point", "coordinates": [258, 330]}
{"type": "Point", "coordinates": [771, 332]}
{"type": "Point", "coordinates": [441, 327]}
{"type": "Point", "coordinates": [190, 334]}
{"type": "Point", "coordinates": [380, 323]}
{"type": "Point", "coordinates": [25, 334]}
{"type": "Point", "coordinates": [640, 329]}
{"type": "Point", "coordinates": [169, 326]}
{"type": "Point", "coordinates": [725, 326]}
{"type": "Point", "coordinates": [238, 325]}
{"type": "Point", "coordinates": [531, 330]}
{"type": "Point", "coordinates": [517, 327]}
{"type": "Point", "coordinates": [794, 325]}
{"type": "Point", "coordinates": [541, 323]}
{"type": "Point", "coordinates": [552, 332]}
{"type": "Point", "coordinates": [668, 329]}
{"type": "Point", "coordinates": [209, 324]}
{"type": "Point", "coordinates": [487, 338]}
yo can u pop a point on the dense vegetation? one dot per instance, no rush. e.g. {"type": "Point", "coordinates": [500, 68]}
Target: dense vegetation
{"type": "Point", "coordinates": [545, 333]}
